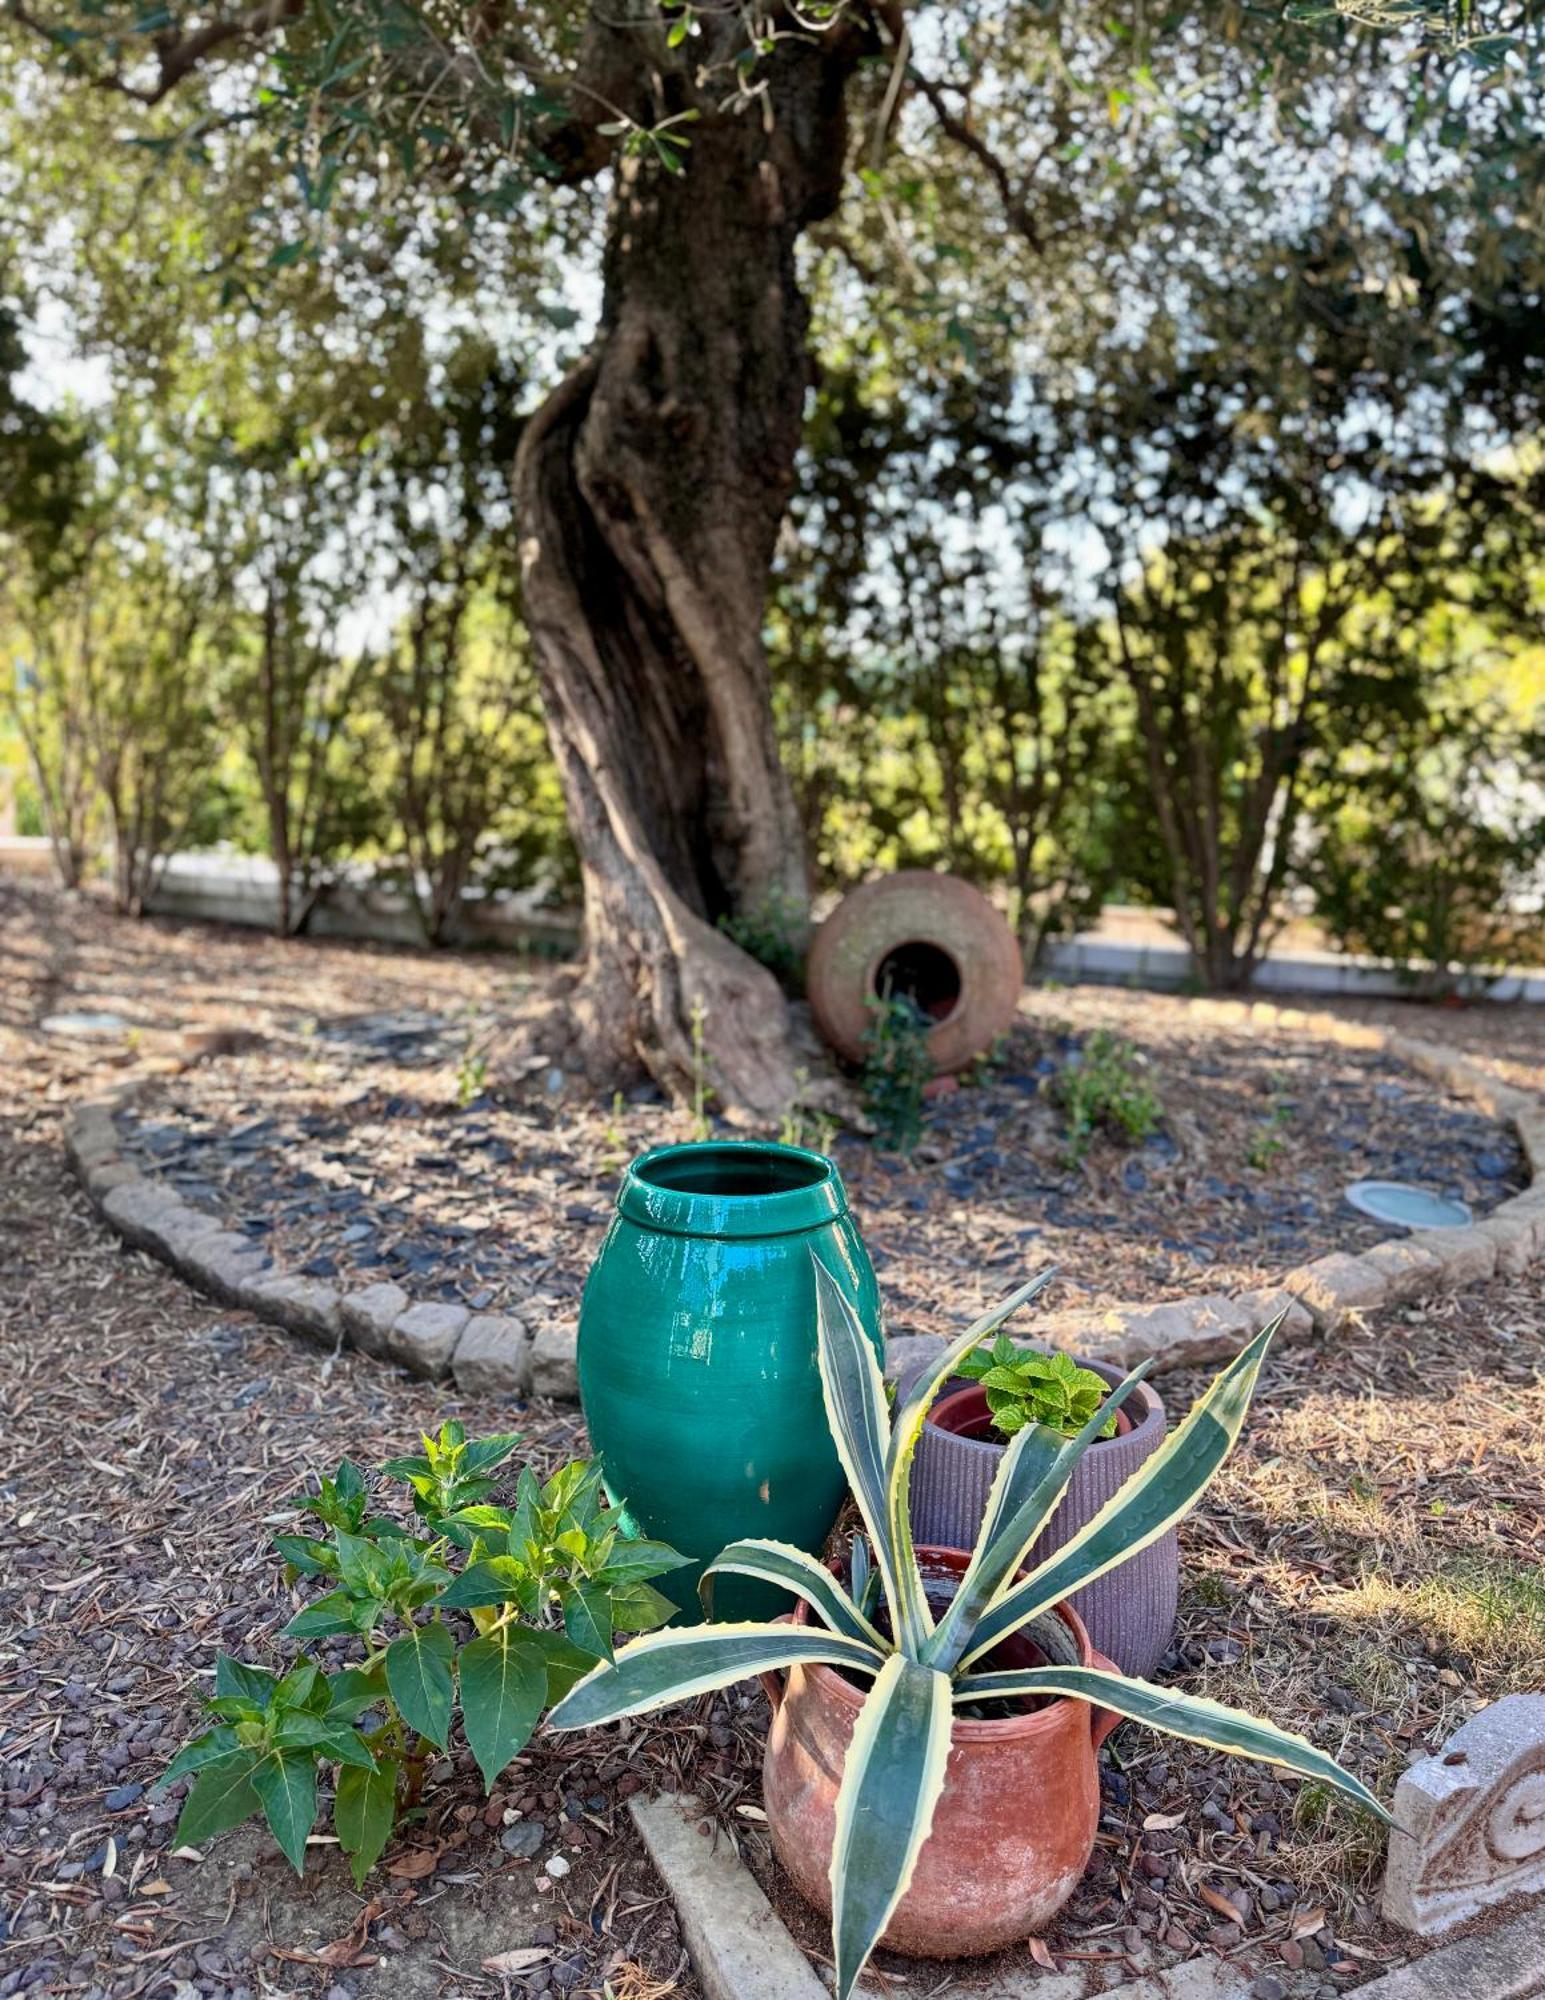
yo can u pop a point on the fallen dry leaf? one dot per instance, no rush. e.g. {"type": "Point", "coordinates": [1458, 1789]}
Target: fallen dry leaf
{"type": "Point", "coordinates": [1040, 1951]}
{"type": "Point", "coordinates": [1307, 1922]}
{"type": "Point", "coordinates": [1230, 1912]}
{"type": "Point", "coordinates": [518, 1960]}
{"type": "Point", "coordinates": [415, 1864]}
{"type": "Point", "coordinates": [1163, 1822]}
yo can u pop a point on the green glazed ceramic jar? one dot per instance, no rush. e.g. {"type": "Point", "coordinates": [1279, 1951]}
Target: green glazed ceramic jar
{"type": "Point", "coordinates": [697, 1352]}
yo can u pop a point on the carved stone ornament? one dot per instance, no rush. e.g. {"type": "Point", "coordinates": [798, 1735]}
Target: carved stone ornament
{"type": "Point", "coordinates": [1473, 1819]}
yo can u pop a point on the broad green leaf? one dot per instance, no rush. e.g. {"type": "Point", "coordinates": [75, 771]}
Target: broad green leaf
{"type": "Point", "coordinates": [566, 1664]}
{"type": "Point", "coordinates": [363, 1814]}
{"type": "Point", "coordinates": [587, 1618]}
{"type": "Point", "coordinates": [352, 1690]}
{"type": "Point", "coordinates": [854, 1393]}
{"type": "Point", "coordinates": [792, 1569]}
{"type": "Point", "coordinates": [641, 1560]}
{"type": "Point", "coordinates": [497, 1581]}
{"type": "Point", "coordinates": [331, 1614]}
{"type": "Point", "coordinates": [318, 1732]}
{"type": "Point", "coordinates": [672, 1666]}
{"type": "Point", "coordinates": [310, 1557]}
{"type": "Point", "coordinates": [365, 1569]}
{"type": "Point", "coordinates": [222, 1797]}
{"type": "Point", "coordinates": [418, 1673]}
{"type": "Point", "coordinates": [639, 1607]}
{"type": "Point", "coordinates": [1031, 1479]}
{"type": "Point", "coordinates": [1158, 1495]}
{"type": "Point", "coordinates": [892, 1776]}
{"type": "Point", "coordinates": [483, 1454]}
{"type": "Point", "coordinates": [237, 1677]}
{"type": "Point", "coordinates": [503, 1681]}
{"type": "Point", "coordinates": [286, 1783]}
{"type": "Point", "coordinates": [1190, 1715]}
{"type": "Point", "coordinates": [210, 1748]}
{"type": "Point", "coordinates": [297, 1687]}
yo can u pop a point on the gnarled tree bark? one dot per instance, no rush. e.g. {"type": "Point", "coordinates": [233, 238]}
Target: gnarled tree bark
{"type": "Point", "coordinates": [650, 488]}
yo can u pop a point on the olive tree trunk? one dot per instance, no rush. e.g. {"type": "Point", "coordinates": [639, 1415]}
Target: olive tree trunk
{"type": "Point", "coordinates": [650, 488]}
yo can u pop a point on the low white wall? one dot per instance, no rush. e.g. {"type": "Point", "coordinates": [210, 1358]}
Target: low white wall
{"type": "Point", "coordinates": [1109, 962]}
{"type": "Point", "coordinates": [21, 854]}
{"type": "Point", "coordinates": [244, 889]}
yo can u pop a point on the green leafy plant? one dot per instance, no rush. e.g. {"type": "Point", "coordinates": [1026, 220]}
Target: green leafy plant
{"type": "Point", "coordinates": [897, 1068]}
{"type": "Point", "coordinates": [923, 1667]}
{"type": "Point", "coordinates": [542, 1587]}
{"type": "Point", "coordinates": [471, 1074]}
{"type": "Point", "coordinates": [1103, 1088]}
{"type": "Point", "coordinates": [1025, 1386]}
{"type": "Point", "coordinates": [773, 932]}
{"type": "Point", "coordinates": [1266, 1141]}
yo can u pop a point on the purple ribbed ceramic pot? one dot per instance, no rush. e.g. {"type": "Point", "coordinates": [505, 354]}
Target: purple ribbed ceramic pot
{"type": "Point", "coordinates": [1130, 1611]}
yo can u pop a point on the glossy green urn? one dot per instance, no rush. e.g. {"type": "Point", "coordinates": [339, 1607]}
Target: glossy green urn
{"type": "Point", "coordinates": [697, 1353]}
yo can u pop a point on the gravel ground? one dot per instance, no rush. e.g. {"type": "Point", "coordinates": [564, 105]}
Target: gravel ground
{"type": "Point", "coordinates": [1368, 1570]}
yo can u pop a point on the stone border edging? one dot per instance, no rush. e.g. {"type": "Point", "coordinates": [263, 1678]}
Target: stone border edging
{"type": "Point", "coordinates": [486, 1353]}
{"type": "Point", "coordinates": [1321, 1295]}
{"type": "Point", "coordinates": [498, 1354]}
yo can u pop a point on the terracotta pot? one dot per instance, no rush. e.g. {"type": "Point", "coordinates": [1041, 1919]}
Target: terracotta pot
{"type": "Point", "coordinates": [1130, 1611]}
{"type": "Point", "coordinates": [930, 936]}
{"type": "Point", "coordinates": [1015, 1824]}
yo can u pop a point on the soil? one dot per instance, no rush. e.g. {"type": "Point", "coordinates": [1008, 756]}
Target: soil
{"type": "Point", "coordinates": [1367, 1569]}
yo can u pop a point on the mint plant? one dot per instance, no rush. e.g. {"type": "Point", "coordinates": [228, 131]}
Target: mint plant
{"type": "Point", "coordinates": [1025, 1386]}
{"type": "Point", "coordinates": [541, 1587]}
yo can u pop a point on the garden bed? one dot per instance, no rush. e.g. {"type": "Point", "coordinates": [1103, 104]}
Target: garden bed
{"type": "Point", "coordinates": [368, 1149]}
{"type": "Point", "coordinates": [1366, 1570]}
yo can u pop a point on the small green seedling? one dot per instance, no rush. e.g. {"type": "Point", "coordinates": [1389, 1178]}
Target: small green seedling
{"type": "Point", "coordinates": [1104, 1088]}
{"type": "Point", "coordinates": [897, 1070]}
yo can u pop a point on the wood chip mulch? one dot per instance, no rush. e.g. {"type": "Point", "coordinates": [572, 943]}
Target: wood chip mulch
{"type": "Point", "coordinates": [1367, 1570]}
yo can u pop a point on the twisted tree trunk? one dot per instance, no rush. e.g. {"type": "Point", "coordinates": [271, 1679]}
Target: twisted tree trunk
{"type": "Point", "coordinates": [650, 487]}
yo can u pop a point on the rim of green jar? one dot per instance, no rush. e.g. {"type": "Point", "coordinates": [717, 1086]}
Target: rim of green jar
{"type": "Point", "coordinates": [732, 1187]}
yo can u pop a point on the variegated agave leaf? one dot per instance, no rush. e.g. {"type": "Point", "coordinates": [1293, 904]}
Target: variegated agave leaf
{"type": "Point", "coordinates": [668, 1666]}
{"type": "Point", "coordinates": [793, 1569]}
{"type": "Point", "coordinates": [1189, 1715]}
{"type": "Point", "coordinates": [1031, 1479]}
{"type": "Point", "coordinates": [892, 1777]}
{"type": "Point", "coordinates": [907, 1428]}
{"type": "Point", "coordinates": [854, 1393]}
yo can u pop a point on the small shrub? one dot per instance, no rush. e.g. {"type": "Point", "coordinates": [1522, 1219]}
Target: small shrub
{"type": "Point", "coordinates": [1103, 1089]}
{"type": "Point", "coordinates": [1025, 1386]}
{"type": "Point", "coordinates": [773, 933]}
{"type": "Point", "coordinates": [471, 1075]}
{"type": "Point", "coordinates": [1266, 1142]}
{"type": "Point", "coordinates": [543, 1584]}
{"type": "Point", "coordinates": [897, 1069]}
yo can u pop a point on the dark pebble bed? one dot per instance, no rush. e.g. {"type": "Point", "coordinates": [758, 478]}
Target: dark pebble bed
{"type": "Point", "coordinates": [371, 1155]}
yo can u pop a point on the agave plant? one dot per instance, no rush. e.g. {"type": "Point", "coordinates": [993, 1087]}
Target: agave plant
{"type": "Point", "coordinates": [923, 1667]}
